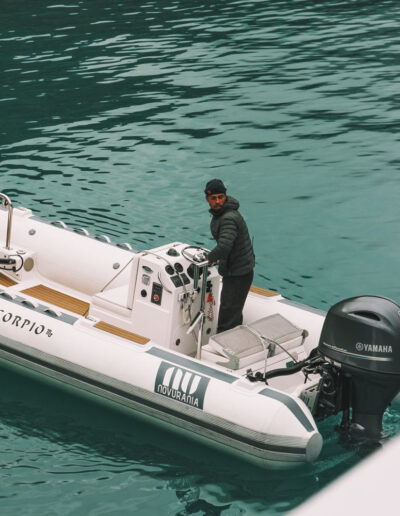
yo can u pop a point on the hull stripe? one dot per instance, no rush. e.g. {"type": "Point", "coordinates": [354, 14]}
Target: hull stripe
{"type": "Point", "coordinates": [225, 377]}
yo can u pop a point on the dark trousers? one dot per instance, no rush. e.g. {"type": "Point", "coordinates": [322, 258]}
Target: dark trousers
{"type": "Point", "coordinates": [233, 296]}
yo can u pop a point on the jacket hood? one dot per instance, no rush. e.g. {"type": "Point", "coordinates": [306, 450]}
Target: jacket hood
{"type": "Point", "coordinates": [230, 204]}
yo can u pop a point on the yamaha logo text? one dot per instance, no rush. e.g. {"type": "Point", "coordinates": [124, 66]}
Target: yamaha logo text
{"type": "Point", "coordinates": [373, 348]}
{"type": "Point", "coordinates": [181, 385]}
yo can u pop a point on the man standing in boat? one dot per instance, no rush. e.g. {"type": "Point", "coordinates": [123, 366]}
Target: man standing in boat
{"type": "Point", "coordinates": [233, 252]}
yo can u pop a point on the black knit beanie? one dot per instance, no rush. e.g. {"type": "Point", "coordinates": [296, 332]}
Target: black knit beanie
{"type": "Point", "coordinates": [215, 186]}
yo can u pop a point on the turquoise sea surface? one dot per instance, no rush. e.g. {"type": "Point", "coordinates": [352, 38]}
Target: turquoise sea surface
{"type": "Point", "coordinates": [113, 117]}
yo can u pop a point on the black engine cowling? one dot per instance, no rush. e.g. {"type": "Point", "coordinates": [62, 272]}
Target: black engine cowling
{"type": "Point", "coordinates": [362, 336]}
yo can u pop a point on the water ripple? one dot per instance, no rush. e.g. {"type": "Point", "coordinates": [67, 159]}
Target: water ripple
{"type": "Point", "coordinates": [114, 116]}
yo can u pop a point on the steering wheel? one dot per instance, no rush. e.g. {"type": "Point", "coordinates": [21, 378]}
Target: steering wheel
{"type": "Point", "coordinates": [196, 249]}
{"type": "Point", "coordinates": [193, 263]}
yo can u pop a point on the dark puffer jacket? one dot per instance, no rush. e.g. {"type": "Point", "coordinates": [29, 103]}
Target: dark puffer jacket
{"type": "Point", "coordinates": [234, 249]}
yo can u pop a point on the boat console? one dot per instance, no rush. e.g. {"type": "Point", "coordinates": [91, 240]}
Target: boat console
{"type": "Point", "coordinates": [154, 293]}
{"type": "Point", "coordinates": [163, 298]}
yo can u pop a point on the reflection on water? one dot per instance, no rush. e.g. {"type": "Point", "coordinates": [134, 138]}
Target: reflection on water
{"type": "Point", "coordinates": [72, 445]}
{"type": "Point", "coordinates": [114, 115]}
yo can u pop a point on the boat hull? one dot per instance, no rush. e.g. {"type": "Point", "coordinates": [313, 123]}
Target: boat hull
{"type": "Point", "coordinates": [268, 450]}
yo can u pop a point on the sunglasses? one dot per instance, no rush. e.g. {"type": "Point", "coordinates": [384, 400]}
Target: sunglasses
{"type": "Point", "coordinates": [220, 197]}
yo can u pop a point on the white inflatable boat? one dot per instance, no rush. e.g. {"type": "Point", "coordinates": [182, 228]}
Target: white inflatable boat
{"type": "Point", "coordinates": [139, 328]}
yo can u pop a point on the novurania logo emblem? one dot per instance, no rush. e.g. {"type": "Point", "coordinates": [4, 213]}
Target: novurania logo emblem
{"type": "Point", "coordinates": [181, 385]}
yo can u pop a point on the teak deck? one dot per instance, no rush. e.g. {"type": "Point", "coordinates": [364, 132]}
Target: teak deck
{"type": "Point", "coordinates": [101, 325]}
{"type": "Point", "coordinates": [263, 292]}
{"type": "Point", "coordinates": [79, 307]}
{"type": "Point", "coordinates": [6, 282]}
{"type": "Point", "coordinates": [59, 299]}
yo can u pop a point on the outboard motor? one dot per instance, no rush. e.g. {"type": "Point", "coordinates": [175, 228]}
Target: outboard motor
{"type": "Point", "coordinates": [360, 341]}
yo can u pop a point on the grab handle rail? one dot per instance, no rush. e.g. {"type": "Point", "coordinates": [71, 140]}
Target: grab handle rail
{"type": "Point", "coordinates": [6, 203]}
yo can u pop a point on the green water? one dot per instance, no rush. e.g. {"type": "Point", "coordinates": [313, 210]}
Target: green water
{"type": "Point", "coordinates": [113, 117]}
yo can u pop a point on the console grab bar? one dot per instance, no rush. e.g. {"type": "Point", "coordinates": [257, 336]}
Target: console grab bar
{"type": "Point", "coordinates": [6, 203]}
